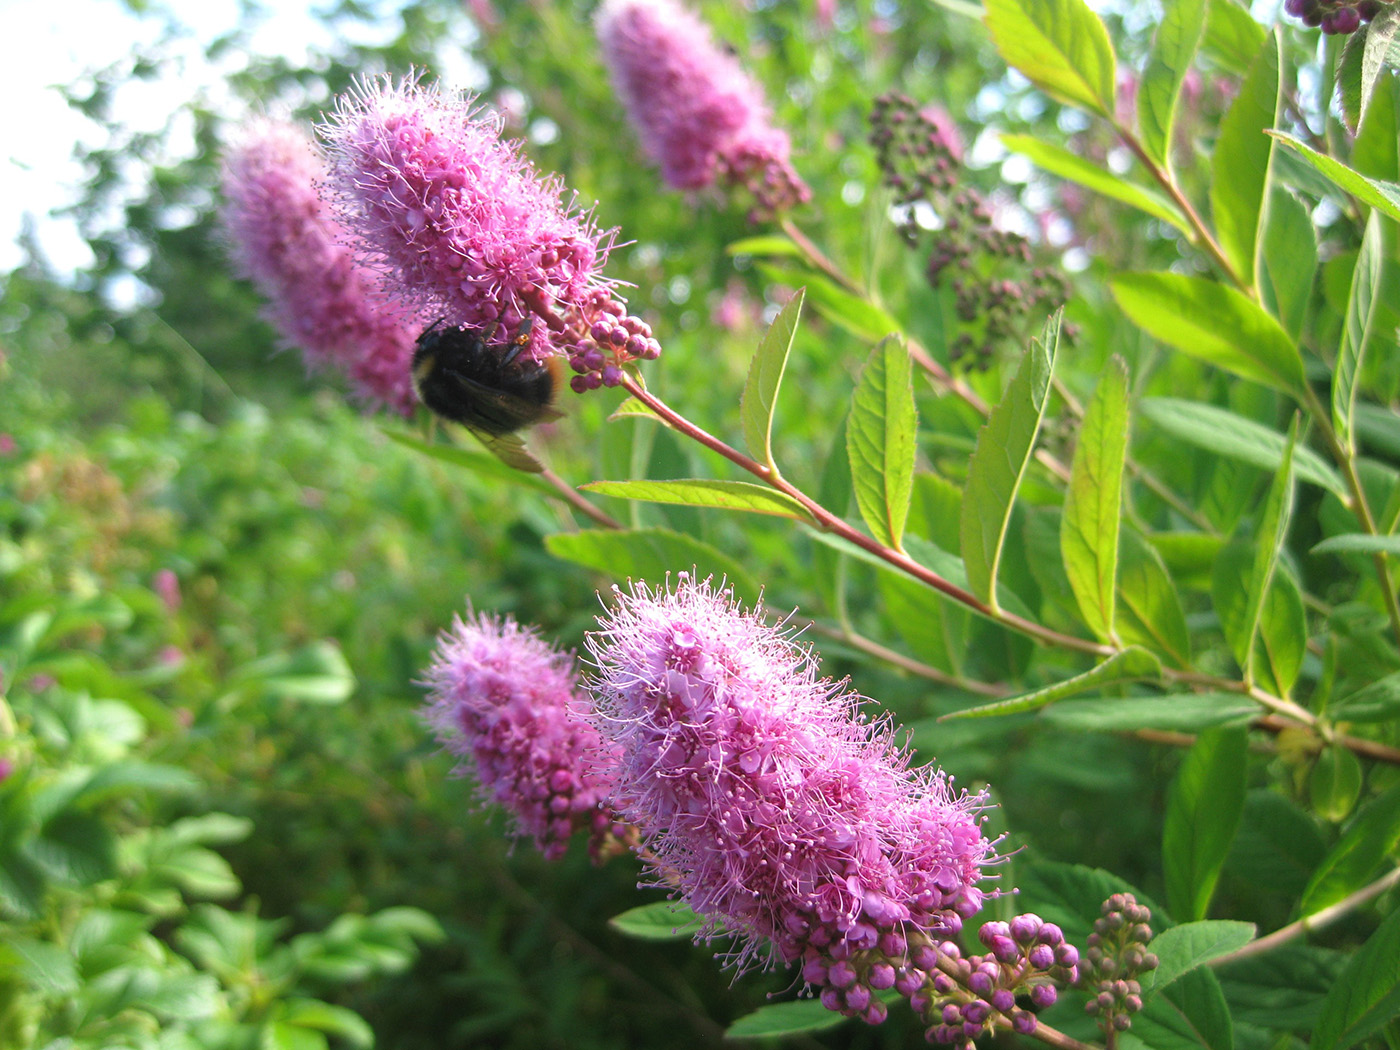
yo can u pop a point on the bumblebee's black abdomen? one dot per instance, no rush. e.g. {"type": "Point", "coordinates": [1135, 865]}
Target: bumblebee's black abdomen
{"type": "Point", "coordinates": [461, 377]}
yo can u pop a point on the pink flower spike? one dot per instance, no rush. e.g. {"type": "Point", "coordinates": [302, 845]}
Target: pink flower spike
{"type": "Point", "coordinates": [763, 795]}
{"type": "Point", "coordinates": [283, 238]}
{"type": "Point", "coordinates": [699, 115]}
{"type": "Point", "coordinates": [507, 704]}
{"type": "Point", "coordinates": [459, 224]}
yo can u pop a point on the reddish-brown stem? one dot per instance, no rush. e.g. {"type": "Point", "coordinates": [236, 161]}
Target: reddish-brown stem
{"type": "Point", "coordinates": [575, 499]}
{"type": "Point", "coordinates": [1203, 234]}
{"type": "Point", "coordinates": [828, 522]}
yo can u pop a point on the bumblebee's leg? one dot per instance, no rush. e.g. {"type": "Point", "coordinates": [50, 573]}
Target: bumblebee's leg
{"type": "Point", "coordinates": [520, 342]}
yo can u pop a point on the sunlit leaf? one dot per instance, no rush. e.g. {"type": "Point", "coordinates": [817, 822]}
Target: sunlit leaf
{"type": "Point", "coordinates": [1379, 194]}
{"type": "Point", "coordinates": [1089, 526]}
{"type": "Point", "coordinates": [1242, 159]}
{"type": "Point", "coordinates": [765, 376]}
{"type": "Point", "coordinates": [1004, 448]}
{"type": "Point", "coordinates": [1061, 46]}
{"type": "Point", "coordinates": [1173, 50]}
{"type": "Point", "coordinates": [880, 441]}
{"type": "Point", "coordinates": [1212, 322]}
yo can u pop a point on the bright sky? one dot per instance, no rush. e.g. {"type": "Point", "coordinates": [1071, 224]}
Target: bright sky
{"type": "Point", "coordinates": [44, 43]}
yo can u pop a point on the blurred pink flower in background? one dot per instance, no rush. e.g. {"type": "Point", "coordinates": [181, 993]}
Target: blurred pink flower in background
{"type": "Point", "coordinates": [283, 238]}
{"type": "Point", "coordinates": [698, 114]}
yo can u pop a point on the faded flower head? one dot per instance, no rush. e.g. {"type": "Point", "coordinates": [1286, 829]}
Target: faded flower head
{"type": "Point", "coordinates": [459, 224]}
{"type": "Point", "coordinates": [779, 812]}
{"type": "Point", "coordinates": [507, 703]}
{"type": "Point", "coordinates": [698, 114]}
{"type": "Point", "coordinates": [283, 238]}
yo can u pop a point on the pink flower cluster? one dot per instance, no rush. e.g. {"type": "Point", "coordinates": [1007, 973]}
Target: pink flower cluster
{"type": "Point", "coordinates": [506, 702]}
{"type": "Point", "coordinates": [779, 813]}
{"type": "Point", "coordinates": [698, 113]}
{"type": "Point", "coordinates": [284, 239]}
{"type": "Point", "coordinates": [462, 227]}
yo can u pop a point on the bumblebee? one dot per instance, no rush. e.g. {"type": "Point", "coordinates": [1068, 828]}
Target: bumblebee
{"type": "Point", "coordinates": [489, 389]}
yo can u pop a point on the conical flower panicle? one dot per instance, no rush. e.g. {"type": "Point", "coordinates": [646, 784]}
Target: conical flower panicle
{"type": "Point", "coordinates": [508, 704]}
{"type": "Point", "coordinates": [780, 813]}
{"type": "Point", "coordinates": [459, 224]}
{"type": "Point", "coordinates": [698, 114]}
{"type": "Point", "coordinates": [286, 241]}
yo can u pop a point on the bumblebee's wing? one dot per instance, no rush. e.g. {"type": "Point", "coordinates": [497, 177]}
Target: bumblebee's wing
{"type": "Point", "coordinates": [509, 449]}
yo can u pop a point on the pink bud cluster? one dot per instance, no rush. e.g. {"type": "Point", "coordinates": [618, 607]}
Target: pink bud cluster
{"type": "Point", "coordinates": [1116, 958]}
{"type": "Point", "coordinates": [777, 811]}
{"type": "Point", "coordinates": [966, 997]}
{"type": "Point", "coordinates": [699, 115]}
{"type": "Point", "coordinates": [507, 703]}
{"type": "Point", "coordinates": [462, 226]}
{"type": "Point", "coordinates": [284, 239]}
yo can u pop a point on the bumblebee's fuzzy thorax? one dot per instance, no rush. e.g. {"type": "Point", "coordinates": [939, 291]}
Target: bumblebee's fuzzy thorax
{"type": "Point", "coordinates": [488, 388]}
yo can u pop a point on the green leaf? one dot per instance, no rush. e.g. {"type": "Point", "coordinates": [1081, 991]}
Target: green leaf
{"type": "Point", "coordinates": [1212, 322]}
{"type": "Point", "coordinates": [1004, 448]}
{"type": "Point", "coordinates": [704, 492]}
{"type": "Point", "coordinates": [1376, 702]}
{"type": "Point", "coordinates": [1061, 46]}
{"type": "Point", "coordinates": [1334, 784]}
{"type": "Point", "coordinates": [1233, 38]}
{"type": "Point", "coordinates": [1203, 810]}
{"type": "Point", "coordinates": [1366, 996]}
{"type": "Point", "coordinates": [1363, 58]}
{"type": "Point", "coordinates": [1182, 948]}
{"type": "Point", "coordinates": [629, 408]}
{"type": "Point", "coordinates": [199, 872]}
{"type": "Point", "coordinates": [333, 1020]}
{"type": "Point", "coordinates": [1278, 846]}
{"type": "Point", "coordinates": [1283, 991]}
{"type": "Point", "coordinates": [1288, 261]}
{"type": "Point", "coordinates": [1191, 1014]}
{"type": "Point", "coordinates": [880, 441]}
{"type": "Point", "coordinates": [1353, 861]}
{"type": "Point", "coordinates": [1363, 307]}
{"type": "Point", "coordinates": [184, 997]}
{"type": "Point", "coordinates": [1242, 159]}
{"type": "Point", "coordinates": [765, 376]}
{"type": "Point", "coordinates": [650, 554]}
{"type": "Point", "coordinates": [662, 921]}
{"type": "Point", "coordinates": [1358, 543]}
{"type": "Point", "coordinates": [1384, 196]}
{"type": "Point", "coordinates": [1235, 437]}
{"type": "Point", "coordinates": [1182, 712]}
{"type": "Point", "coordinates": [765, 245]}
{"type": "Point", "coordinates": [279, 1035]}
{"type": "Point", "coordinates": [209, 829]}
{"type": "Point", "coordinates": [1148, 611]}
{"type": "Point", "coordinates": [1173, 50]}
{"type": "Point", "coordinates": [481, 462]}
{"type": "Point", "coordinates": [317, 673]}
{"type": "Point", "coordinates": [1131, 665]}
{"type": "Point", "coordinates": [46, 967]}
{"type": "Point", "coordinates": [122, 778]}
{"type": "Point", "coordinates": [1093, 504]}
{"type": "Point", "coordinates": [805, 1015]}
{"type": "Point", "coordinates": [1269, 535]}
{"type": "Point", "coordinates": [1282, 641]}
{"type": "Point", "coordinates": [1060, 161]}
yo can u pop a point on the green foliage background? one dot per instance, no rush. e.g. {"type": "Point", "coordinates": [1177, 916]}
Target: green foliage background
{"type": "Point", "coordinates": [317, 559]}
